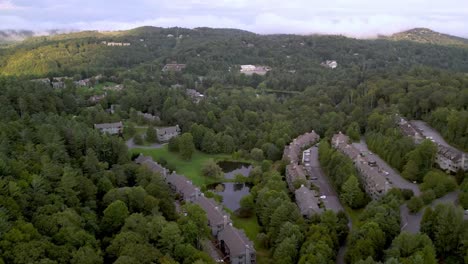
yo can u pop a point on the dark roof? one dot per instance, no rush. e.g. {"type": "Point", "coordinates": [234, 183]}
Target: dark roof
{"type": "Point", "coordinates": [168, 130]}
{"type": "Point", "coordinates": [108, 125]}
{"type": "Point", "coordinates": [306, 201]}
{"type": "Point", "coordinates": [182, 185]}
{"type": "Point", "coordinates": [213, 210]}
{"type": "Point", "coordinates": [236, 240]}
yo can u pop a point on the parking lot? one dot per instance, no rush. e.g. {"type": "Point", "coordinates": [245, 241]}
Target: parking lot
{"type": "Point", "coordinates": [392, 176]}
{"type": "Point", "coordinates": [319, 179]}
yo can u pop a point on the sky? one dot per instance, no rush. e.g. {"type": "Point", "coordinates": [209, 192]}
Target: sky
{"type": "Point", "coordinates": [356, 18]}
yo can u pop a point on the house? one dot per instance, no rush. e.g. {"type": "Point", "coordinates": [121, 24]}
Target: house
{"type": "Point", "coordinates": [118, 87]}
{"type": "Point", "coordinates": [410, 131]}
{"type": "Point", "coordinates": [110, 128]}
{"type": "Point", "coordinates": [84, 82]}
{"type": "Point", "coordinates": [194, 95]}
{"type": "Point", "coordinates": [295, 173]}
{"type": "Point", "coordinates": [451, 159]}
{"type": "Point", "coordinates": [152, 165]}
{"type": "Point", "coordinates": [236, 247]}
{"type": "Point", "coordinates": [251, 69]}
{"type": "Point", "coordinates": [173, 67]}
{"type": "Point", "coordinates": [372, 177]}
{"type": "Point", "coordinates": [217, 218]}
{"type": "Point", "coordinates": [307, 202]}
{"type": "Point", "coordinates": [118, 44]}
{"type": "Point", "coordinates": [183, 187]}
{"type": "Point", "coordinates": [329, 64]}
{"type": "Point", "coordinates": [292, 152]}
{"type": "Point", "coordinates": [165, 134]}
{"type": "Point", "coordinates": [97, 98]}
{"type": "Point", "coordinates": [148, 116]}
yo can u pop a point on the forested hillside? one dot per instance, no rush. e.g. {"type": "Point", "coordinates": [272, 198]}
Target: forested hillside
{"type": "Point", "coordinates": [69, 194]}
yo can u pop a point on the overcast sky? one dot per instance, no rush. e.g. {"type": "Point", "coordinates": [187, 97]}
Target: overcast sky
{"type": "Point", "coordinates": [359, 18]}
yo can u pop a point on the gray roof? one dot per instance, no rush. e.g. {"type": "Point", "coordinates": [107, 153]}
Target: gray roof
{"type": "Point", "coordinates": [182, 185]}
{"type": "Point", "coordinates": [449, 153]}
{"type": "Point", "coordinates": [236, 240]}
{"type": "Point", "coordinates": [152, 165]}
{"type": "Point", "coordinates": [306, 201]}
{"type": "Point", "coordinates": [168, 130]}
{"type": "Point", "coordinates": [108, 125]}
{"type": "Point", "coordinates": [293, 150]}
{"type": "Point", "coordinates": [214, 211]}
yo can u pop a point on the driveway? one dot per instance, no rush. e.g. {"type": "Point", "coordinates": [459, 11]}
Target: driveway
{"type": "Point", "coordinates": [393, 176]}
{"type": "Point", "coordinates": [412, 222]}
{"type": "Point", "coordinates": [314, 170]}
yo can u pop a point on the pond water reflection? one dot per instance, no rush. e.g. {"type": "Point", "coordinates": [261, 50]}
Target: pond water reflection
{"type": "Point", "coordinates": [231, 192]}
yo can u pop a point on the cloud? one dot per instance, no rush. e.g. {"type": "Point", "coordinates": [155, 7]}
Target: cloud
{"type": "Point", "coordinates": [359, 18]}
{"type": "Point", "coordinates": [6, 5]}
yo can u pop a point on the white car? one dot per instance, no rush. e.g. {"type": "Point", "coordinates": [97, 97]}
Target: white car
{"type": "Point", "coordinates": [323, 197]}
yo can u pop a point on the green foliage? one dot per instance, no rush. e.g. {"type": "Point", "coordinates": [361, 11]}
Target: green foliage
{"type": "Point", "coordinates": [415, 204]}
{"type": "Point", "coordinates": [212, 170]}
{"type": "Point", "coordinates": [409, 248]}
{"type": "Point", "coordinates": [150, 135]}
{"type": "Point", "coordinates": [186, 146]}
{"type": "Point", "coordinates": [351, 194]}
{"type": "Point", "coordinates": [173, 144]}
{"type": "Point", "coordinates": [439, 182]}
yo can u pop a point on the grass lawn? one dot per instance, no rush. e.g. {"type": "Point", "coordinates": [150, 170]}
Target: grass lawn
{"type": "Point", "coordinates": [190, 169]}
{"type": "Point", "coordinates": [251, 229]}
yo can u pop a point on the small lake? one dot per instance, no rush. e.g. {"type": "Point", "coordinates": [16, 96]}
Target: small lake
{"type": "Point", "coordinates": [231, 192]}
{"type": "Point", "coordinates": [232, 168]}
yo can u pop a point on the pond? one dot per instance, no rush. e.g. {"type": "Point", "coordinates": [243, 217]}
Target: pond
{"type": "Point", "coordinates": [231, 192]}
{"type": "Point", "coordinates": [232, 168]}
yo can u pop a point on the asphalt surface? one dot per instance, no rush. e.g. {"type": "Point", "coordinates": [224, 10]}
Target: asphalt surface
{"type": "Point", "coordinates": [314, 170]}
{"type": "Point", "coordinates": [412, 222]}
{"type": "Point", "coordinates": [428, 131]}
{"type": "Point", "coordinates": [393, 176]}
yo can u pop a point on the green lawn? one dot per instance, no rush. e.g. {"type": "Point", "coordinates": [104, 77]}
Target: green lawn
{"type": "Point", "coordinates": [251, 229]}
{"type": "Point", "coordinates": [354, 215]}
{"type": "Point", "coordinates": [190, 169]}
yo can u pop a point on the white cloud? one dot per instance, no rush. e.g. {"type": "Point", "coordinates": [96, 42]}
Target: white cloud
{"type": "Point", "coordinates": [7, 5]}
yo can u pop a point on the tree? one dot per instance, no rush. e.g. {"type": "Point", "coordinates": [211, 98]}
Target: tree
{"type": "Point", "coordinates": [114, 216]}
{"type": "Point", "coordinates": [247, 206]}
{"type": "Point", "coordinates": [151, 135]}
{"type": "Point", "coordinates": [412, 248]}
{"type": "Point", "coordinates": [186, 146]}
{"type": "Point", "coordinates": [212, 170]}
{"type": "Point", "coordinates": [353, 131]}
{"type": "Point", "coordinates": [351, 193]}
{"type": "Point", "coordinates": [138, 140]}
{"type": "Point", "coordinates": [173, 144]}
{"type": "Point", "coordinates": [415, 204]}
{"type": "Point", "coordinates": [129, 131]}
{"type": "Point", "coordinates": [257, 154]}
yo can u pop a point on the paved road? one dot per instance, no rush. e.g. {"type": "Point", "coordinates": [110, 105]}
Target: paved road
{"type": "Point", "coordinates": [412, 222]}
{"type": "Point", "coordinates": [428, 131]}
{"type": "Point", "coordinates": [130, 144]}
{"type": "Point", "coordinates": [393, 176]}
{"type": "Point", "coordinates": [314, 170]}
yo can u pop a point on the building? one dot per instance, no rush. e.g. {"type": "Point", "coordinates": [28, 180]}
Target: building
{"type": "Point", "coordinates": [251, 69]}
{"type": "Point", "coordinates": [293, 151]}
{"type": "Point", "coordinates": [217, 218]}
{"type": "Point", "coordinates": [118, 87]}
{"type": "Point", "coordinates": [235, 245]}
{"type": "Point", "coordinates": [295, 173]}
{"type": "Point", "coordinates": [232, 242]}
{"type": "Point", "coordinates": [110, 128]}
{"type": "Point", "coordinates": [173, 67]}
{"type": "Point", "coordinates": [307, 202]}
{"type": "Point", "coordinates": [372, 177]}
{"type": "Point", "coordinates": [329, 64]}
{"type": "Point", "coordinates": [148, 116]}
{"type": "Point", "coordinates": [165, 134]}
{"type": "Point", "coordinates": [84, 82]}
{"type": "Point", "coordinates": [152, 165]}
{"type": "Point", "coordinates": [183, 187]}
{"type": "Point", "coordinates": [97, 98]}
{"type": "Point", "coordinates": [116, 44]}
{"type": "Point", "coordinates": [448, 158]}
{"type": "Point", "coordinates": [451, 159]}
{"type": "Point", "coordinates": [194, 95]}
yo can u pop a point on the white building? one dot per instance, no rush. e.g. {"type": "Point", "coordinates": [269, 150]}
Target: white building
{"type": "Point", "coordinates": [165, 134]}
{"type": "Point", "coordinates": [110, 128]}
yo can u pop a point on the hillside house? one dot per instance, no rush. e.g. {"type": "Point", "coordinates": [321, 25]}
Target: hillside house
{"type": "Point", "coordinates": [110, 128]}
{"type": "Point", "coordinates": [173, 67]}
{"type": "Point", "coordinates": [165, 134]}
{"type": "Point", "coordinates": [307, 202]}
{"type": "Point", "coordinates": [372, 177]}
{"type": "Point", "coordinates": [251, 69]}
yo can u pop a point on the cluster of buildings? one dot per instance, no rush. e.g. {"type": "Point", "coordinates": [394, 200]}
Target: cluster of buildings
{"type": "Point", "coordinates": [372, 177]}
{"type": "Point", "coordinates": [194, 95]}
{"type": "Point", "coordinates": [110, 128]}
{"type": "Point", "coordinates": [97, 98]}
{"type": "Point", "coordinates": [329, 64]}
{"type": "Point", "coordinates": [173, 67]}
{"type": "Point", "coordinates": [306, 199]}
{"type": "Point", "coordinates": [166, 133]}
{"type": "Point", "coordinates": [448, 158]}
{"type": "Point", "coordinates": [232, 242]}
{"type": "Point", "coordinates": [251, 69]}
{"type": "Point", "coordinates": [115, 44]}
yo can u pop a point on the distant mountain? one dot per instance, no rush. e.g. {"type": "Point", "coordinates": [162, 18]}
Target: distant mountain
{"type": "Point", "coordinates": [10, 36]}
{"type": "Point", "coordinates": [425, 35]}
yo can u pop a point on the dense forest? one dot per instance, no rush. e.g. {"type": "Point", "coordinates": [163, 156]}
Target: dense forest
{"type": "Point", "coordinates": [70, 194]}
